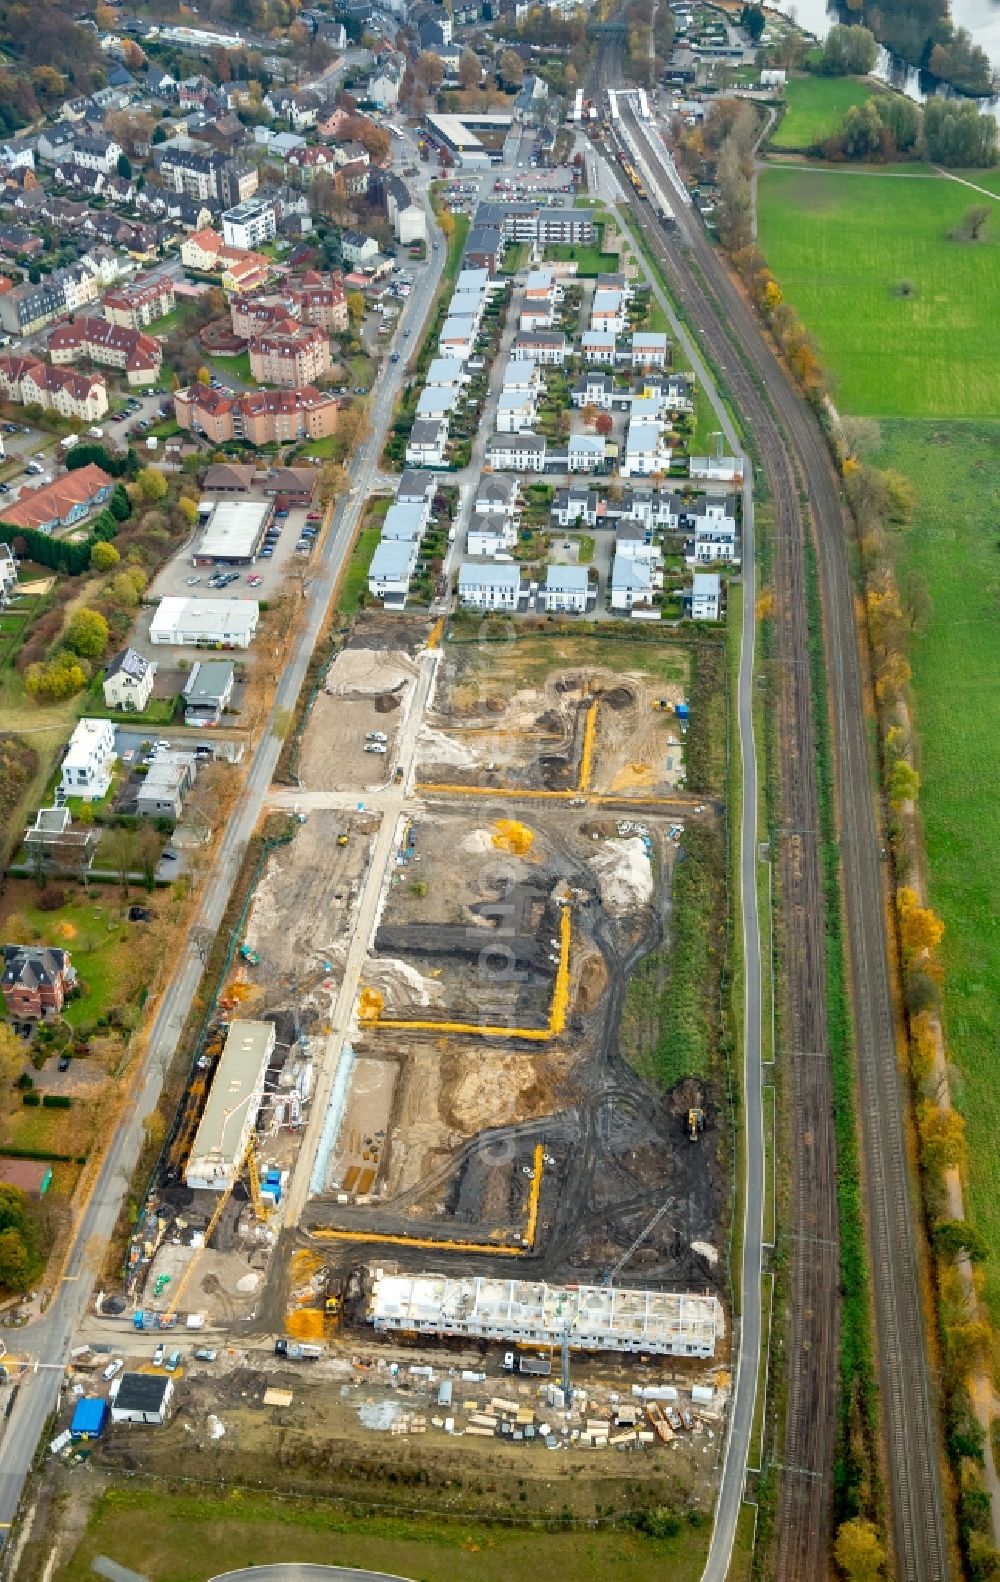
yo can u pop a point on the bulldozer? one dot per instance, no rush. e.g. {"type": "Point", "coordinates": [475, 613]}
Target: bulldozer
{"type": "Point", "coordinates": [695, 1123]}
{"type": "Point", "coordinates": [342, 840]}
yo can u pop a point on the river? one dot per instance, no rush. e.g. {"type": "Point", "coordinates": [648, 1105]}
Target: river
{"type": "Point", "coordinates": [981, 17]}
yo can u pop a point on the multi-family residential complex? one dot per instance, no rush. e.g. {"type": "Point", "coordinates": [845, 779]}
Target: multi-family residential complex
{"type": "Point", "coordinates": [290, 355]}
{"type": "Point", "coordinates": [132, 352]}
{"type": "Point", "coordinates": [261, 417]}
{"type": "Point", "coordinates": [31, 382]}
{"type": "Point", "coordinates": [140, 301]}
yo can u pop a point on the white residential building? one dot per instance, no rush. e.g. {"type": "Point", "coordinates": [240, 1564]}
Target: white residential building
{"type": "Point", "coordinates": [635, 542]}
{"type": "Point", "coordinates": [598, 346]}
{"type": "Point", "coordinates": [535, 316]}
{"type": "Point", "coordinates": [457, 338]}
{"type": "Point", "coordinates": [86, 768]}
{"type": "Point", "coordinates": [631, 584]}
{"type": "Point", "coordinates": [490, 536]}
{"type": "Point", "coordinates": [584, 453]}
{"type": "Point", "coordinates": [436, 403]}
{"type": "Point", "coordinates": [250, 224]}
{"type": "Point", "coordinates": [645, 451]}
{"type": "Point", "coordinates": [426, 444]}
{"type": "Point", "coordinates": [515, 412]}
{"type": "Point", "coordinates": [405, 522]}
{"type": "Point", "coordinates": [516, 452]}
{"type": "Point", "coordinates": [578, 506]}
{"type": "Point", "coordinates": [649, 349]}
{"type": "Point", "coordinates": [445, 373]}
{"type": "Point", "coordinates": [714, 532]}
{"type": "Point", "coordinates": [542, 346]}
{"type": "Point", "coordinates": [232, 1106]}
{"type": "Point", "coordinates": [706, 592]}
{"type": "Point", "coordinates": [566, 589]}
{"type": "Point", "coordinates": [609, 311]}
{"type": "Point", "coordinates": [496, 494]}
{"type": "Point", "coordinates": [8, 575]}
{"type": "Point", "coordinates": [489, 587]}
{"type": "Point", "coordinates": [128, 682]}
{"type": "Point", "coordinates": [392, 567]}
{"type": "Point", "coordinates": [522, 374]}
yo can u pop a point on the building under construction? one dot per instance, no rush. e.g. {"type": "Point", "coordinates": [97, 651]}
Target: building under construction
{"type": "Point", "coordinates": [589, 1317]}
{"type": "Point", "coordinates": [232, 1107]}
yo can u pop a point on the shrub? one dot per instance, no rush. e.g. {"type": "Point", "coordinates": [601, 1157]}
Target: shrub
{"type": "Point", "coordinates": [51, 899]}
{"type": "Point", "coordinates": [31, 1098]}
{"type": "Point", "coordinates": [56, 1101]}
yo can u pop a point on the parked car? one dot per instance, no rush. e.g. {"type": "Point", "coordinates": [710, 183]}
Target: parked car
{"type": "Point", "coordinates": [254, 582]}
{"type": "Point", "coordinates": [193, 582]}
{"type": "Point", "coordinates": [375, 747]}
{"type": "Point", "coordinates": [114, 1367]}
{"type": "Point", "coordinates": [205, 1354]}
{"type": "Point", "coordinates": [64, 1061]}
{"type": "Point", "coordinates": [173, 1361]}
{"type": "Point", "coordinates": [158, 1355]}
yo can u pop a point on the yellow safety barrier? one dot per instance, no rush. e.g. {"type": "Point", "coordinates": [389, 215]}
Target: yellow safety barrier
{"type": "Point", "coordinates": [587, 751]}
{"type": "Point", "coordinates": [531, 1225]}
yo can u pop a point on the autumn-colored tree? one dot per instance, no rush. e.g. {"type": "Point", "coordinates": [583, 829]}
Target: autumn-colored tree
{"type": "Point", "coordinates": [942, 1136]}
{"type": "Point", "coordinates": [859, 1551]}
{"type": "Point", "coordinates": [604, 423]}
{"type": "Point", "coordinates": [904, 783]}
{"type": "Point", "coordinates": [772, 296]}
{"type": "Point", "coordinates": [921, 930]}
{"type": "Point", "coordinates": [204, 377]}
{"type": "Point", "coordinates": [511, 68]}
{"type": "Point", "coordinates": [469, 70]}
{"type": "Point", "coordinates": [589, 415]}
{"type": "Point", "coordinates": [355, 308]}
{"type": "Point", "coordinates": [152, 484]}
{"type": "Point", "coordinates": [892, 677]}
{"type": "Point", "coordinates": [87, 633]}
{"type": "Point", "coordinates": [103, 557]}
{"type": "Point", "coordinates": [956, 1238]}
{"type": "Point", "coordinates": [51, 84]}
{"type": "Point", "coordinates": [352, 425]}
{"type": "Point", "coordinates": [333, 482]}
{"type": "Point", "coordinates": [923, 1045]}
{"type": "Point", "coordinates": [188, 509]}
{"type": "Point", "coordinates": [429, 71]}
{"type": "Point", "coordinates": [12, 1054]}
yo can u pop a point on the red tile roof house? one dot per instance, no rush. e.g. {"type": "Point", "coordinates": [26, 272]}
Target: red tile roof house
{"type": "Point", "coordinates": [36, 980]}
{"type": "Point", "coordinates": [63, 501]}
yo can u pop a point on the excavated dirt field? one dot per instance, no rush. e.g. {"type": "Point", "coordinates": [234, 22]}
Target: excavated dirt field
{"type": "Point", "coordinates": [300, 918]}
{"type": "Point", "coordinates": [521, 723]}
{"type": "Point", "coordinates": [365, 689]}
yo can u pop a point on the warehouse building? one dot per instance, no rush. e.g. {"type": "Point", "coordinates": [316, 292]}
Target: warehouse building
{"type": "Point", "coordinates": [233, 532]}
{"type": "Point", "coordinates": [204, 623]}
{"type": "Point", "coordinates": [595, 1318]}
{"type": "Point", "coordinates": [231, 1108]}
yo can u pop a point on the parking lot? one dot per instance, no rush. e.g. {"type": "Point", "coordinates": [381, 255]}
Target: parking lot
{"type": "Point", "coordinates": [181, 576]}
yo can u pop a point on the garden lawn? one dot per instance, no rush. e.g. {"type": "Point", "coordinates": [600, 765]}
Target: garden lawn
{"type": "Point", "coordinates": [355, 582]}
{"type": "Point", "coordinates": [816, 108]}
{"type": "Point", "coordinates": [102, 944]}
{"type": "Point", "coordinates": [179, 1538]}
{"type": "Point", "coordinates": [840, 244]}
{"type": "Point", "coordinates": [956, 687]}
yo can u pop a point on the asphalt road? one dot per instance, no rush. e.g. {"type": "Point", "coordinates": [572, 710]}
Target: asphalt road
{"type": "Point", "coordinates": [291, 1571]}
{"type": "Point", "coordinates": [47, 1340]}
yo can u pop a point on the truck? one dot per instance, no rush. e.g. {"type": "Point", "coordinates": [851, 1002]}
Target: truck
{"type": "Point", "coordinates": [536, 1367]}
{"type": "Point", "coordinates": [293, 1351]}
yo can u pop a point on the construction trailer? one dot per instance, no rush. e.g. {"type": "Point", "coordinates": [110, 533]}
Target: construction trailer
{"type": "Point", "coordinates": [532, 1313]}
{"type": "Point", "coordinates": [232, 1107]}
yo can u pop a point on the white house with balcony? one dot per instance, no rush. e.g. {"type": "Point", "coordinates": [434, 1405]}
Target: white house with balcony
{"type": "Point", "coordinates": [515, 411]}
{"type": "Point", "coordinates": [566, 590]}
{"type": "Point", "coordinates": [706, 594]}
{"type": "Point", "coordinates": [90, 756]}
{"type": "Point", "coordinates": [392, 566]}
{"type": "Point", "coordinates": [645, 451]}
{"type": "Point", "coordinates": [631, 584]}
{"type": "Point", "coordinates": [490, 536]}
{"type": "Point", "coordinates": [725, 470]}
{"type": "Point", "coordinates": [584, 453]}
{"type": "Point", "coordinates": [489, 587]}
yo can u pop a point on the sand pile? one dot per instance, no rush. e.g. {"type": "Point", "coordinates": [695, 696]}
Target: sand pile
{"type": "Point", "coordinates": [625, 874]}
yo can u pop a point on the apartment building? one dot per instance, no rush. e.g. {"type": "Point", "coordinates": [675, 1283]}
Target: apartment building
{"type": "Point", "coordinates": [132, 352]}
{"type": "Point", "coordinates": [30, 381]}
{"type": "Point", "coordinates": [250, 224]}
{"type": "Point", "coordinates": [261, 417]}
{"type": "Point", "coordinates": [90, 756]}
{"type": "Point", "coordinates": [291, 357]}
{"type": "Point", "coordinates": [140, 302]}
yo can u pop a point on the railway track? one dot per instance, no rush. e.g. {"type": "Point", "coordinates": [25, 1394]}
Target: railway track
{"type": "Point", "coordinates": [784, 428]}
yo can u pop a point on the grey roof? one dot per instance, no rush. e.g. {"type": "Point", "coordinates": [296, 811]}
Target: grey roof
{"type": "Point", "coordinates": [512, 442]}
{"type": "Point", "coordinates": [210, 681]}
{"type": "Point", "coordinates": [425, 431]}
{"type": "Point", "coordinates": [706, 583]}
{"type": "Point", "coordinates": [491, 575]}
{"type": "Point", "coordinates": [566, 579]}
{"type": "Point", "coordinates": [393, 559]}
{"type": "Point", "coordinates": [129, 663]}
{"type": "Point", "coordinates": [499, 489]}
{"type": "Point", "coordinates": [404, 520]}
{"type": "Point", "coordinates": [415, 485]}
{"type": "Point", "coordinates": [32, 965]}
{"type": "Point", "coordinates": [627, 572]}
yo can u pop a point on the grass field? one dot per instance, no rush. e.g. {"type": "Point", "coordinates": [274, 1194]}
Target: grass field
{"type": "Point", "coordinates": [169, 1537]}
{"type": "Point", "coordinates": [816, 107]}
{"type": "Point", "coordinates": [956, 683]}
{"type": "Point", "coordinates": [840, 244]}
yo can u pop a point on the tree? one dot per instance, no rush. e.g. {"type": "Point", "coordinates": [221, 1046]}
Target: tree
{"type": "Point", "coordinates": [103, 556]}
{"type": "Point", "coordinates": [15, 1262]}
{"type": "Point", "coordinates": [921, 930]}
{"type": "Point", "coordinates": [188, 509]}
{"type": "Point", "coordinates": [429, 71]}
{"type": "Point", "coordinates": [942, 1137]}
{"type": "Point", "coordinates": [355, 308]}
{"type": "Point", "coordinates": [904, 783]}
{"type": "Point", "coordinates": [124, 167]}
{"type": "Point", "coordinates": [61, 677]}
{"type": "Point", "coordinates": [956, 1238]}
{"type": "Point", "coordinates": [861, 134]}
{"type": "Point", "coordinates": [11, 1054]}
{"type": "Point", "coordinates": [87, 633]}
{"type": "Point", "coordinates": [972, 224]}
{"type": "Point", "coordinates": [204, 377]}
{"type": "Point", "coordinates": [848, 52]}
{"type": "Point", "coordinates": [859, 1551]}
{"type": "Point", "coordinates": [511, 68]}
{"type": "Point", "coordinates": [752, 20]}
{"type": "Point", "coordinates": [333, 482]}
{"type": "Point", "coordinates": [604, 423]}
{"type": "Point", "coordinates": [152, 484]}
{"type": "Point", "coordinates": [589, 415]}
{"type": "Point", "coordinates": [470, 72]}
{"type": "Point", "coordinates": [51, 84]}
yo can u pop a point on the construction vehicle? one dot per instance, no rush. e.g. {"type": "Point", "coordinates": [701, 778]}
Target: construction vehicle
{"type": "Point", "coordinates": [292, 1351]}
{"type": "Point", "coordinates": [695, 1123]}
{"type": "Point", "coordinates": [342, 840]}
{"type": "Point", "coordinates": [252, 956]}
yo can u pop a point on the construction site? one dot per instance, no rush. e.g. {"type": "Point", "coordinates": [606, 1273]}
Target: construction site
{"type": "Point", "coordinates": [442, 952]}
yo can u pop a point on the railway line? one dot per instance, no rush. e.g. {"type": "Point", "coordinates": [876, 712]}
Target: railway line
{"type": "Point", "coordinates": [785, 431]}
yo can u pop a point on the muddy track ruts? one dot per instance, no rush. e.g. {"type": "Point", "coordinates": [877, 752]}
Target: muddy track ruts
{"type": "Point", "coordinates": [783, 426]}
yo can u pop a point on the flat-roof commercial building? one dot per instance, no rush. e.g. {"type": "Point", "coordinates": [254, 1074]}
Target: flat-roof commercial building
{"type": "Point", "coordinates": [458, 133]}
{"type": "Point", "coordinates": [234, 531]}
{"type": "Point", "coordinates": [213, 623]}
{"type": "Point", "coordinates": [231, 1108]}
{"type": "Point", "coordinates": [595, 1318]}
{"type": "Point", "coordinates": [161, 794]}
{"type": "Point", "coordinates": [207, 691]}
